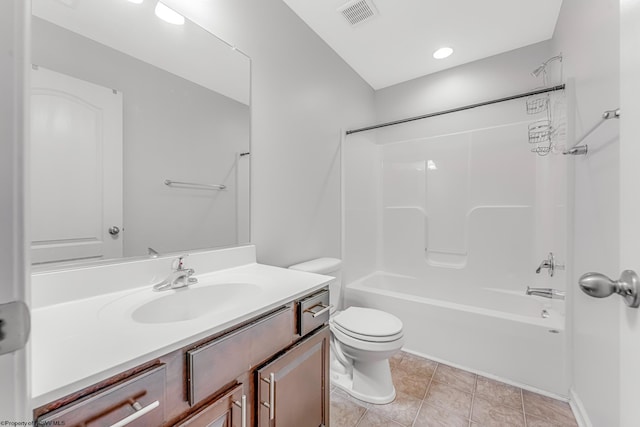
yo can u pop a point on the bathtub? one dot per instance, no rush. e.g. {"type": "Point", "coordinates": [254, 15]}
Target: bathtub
{"type": "Point", "coordinates": [506, 335]}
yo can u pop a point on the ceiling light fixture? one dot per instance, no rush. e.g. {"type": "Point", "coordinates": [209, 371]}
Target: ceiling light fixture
{"type": "Point", "coordinates": [442, 53]}
{"type": "Point", "coordinates": [169, 15]}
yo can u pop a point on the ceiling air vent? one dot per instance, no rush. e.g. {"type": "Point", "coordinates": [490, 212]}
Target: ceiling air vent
{"type": "Point", "coordinates": [358, 11]}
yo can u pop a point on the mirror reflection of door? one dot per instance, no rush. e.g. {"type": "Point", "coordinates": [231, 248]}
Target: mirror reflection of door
{"type": "Point", "coordinates": [76, 169]}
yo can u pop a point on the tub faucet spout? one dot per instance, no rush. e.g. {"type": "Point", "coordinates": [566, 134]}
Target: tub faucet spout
{"type": "Point", "coordinates": [546, 292]}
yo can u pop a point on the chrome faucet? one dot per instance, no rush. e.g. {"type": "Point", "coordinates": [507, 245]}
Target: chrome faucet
{"type": "Point", "coordinates": [547, 263]}
{"type": "Point", "coordinates": [178, 278]}
{"type": "Point", "coordinates": [546, 292]}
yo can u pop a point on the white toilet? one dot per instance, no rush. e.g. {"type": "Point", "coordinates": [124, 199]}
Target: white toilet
{"type": "Point", "coordinates": [362, 340]}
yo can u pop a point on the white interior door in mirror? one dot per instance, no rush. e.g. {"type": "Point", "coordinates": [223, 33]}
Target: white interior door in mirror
{"type": "Point", "coordinates": [76, 169]}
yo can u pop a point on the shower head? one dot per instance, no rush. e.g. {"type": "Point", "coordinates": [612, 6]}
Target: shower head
{"type": "Point", "coordinates": [542, 67]}
{"type": "Point", "coordinates": [537, 71]}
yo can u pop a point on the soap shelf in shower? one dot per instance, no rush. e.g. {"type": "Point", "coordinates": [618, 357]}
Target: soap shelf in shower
{"type": "Point", "coordinates": [540, 131]}
{"type": "Point", "coordinates": [537, 104]}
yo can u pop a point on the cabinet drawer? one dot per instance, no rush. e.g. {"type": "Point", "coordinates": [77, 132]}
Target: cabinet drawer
{"type": "Point", "coordinates": [313, 312]}
{"type": "Point", "coordinates": [215, 364]}
{"type": "Point", "coordinates": [139, 399]}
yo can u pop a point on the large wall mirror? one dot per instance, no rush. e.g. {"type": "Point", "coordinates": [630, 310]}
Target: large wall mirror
{"type": "Point", "coordinates": [140, 134]}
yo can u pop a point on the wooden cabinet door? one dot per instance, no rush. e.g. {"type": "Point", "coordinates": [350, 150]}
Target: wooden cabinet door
{"type": "Point", "coordinates": [229, 410]}
{"type": "Point", "coordinates": [293, 390]}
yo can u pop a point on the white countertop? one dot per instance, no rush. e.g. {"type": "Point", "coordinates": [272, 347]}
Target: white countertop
{"type": "Point", "coordinates": [77, 343]}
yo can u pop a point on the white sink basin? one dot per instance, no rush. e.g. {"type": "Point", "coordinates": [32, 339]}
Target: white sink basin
{"type": "Point", "coordinates": [192, 302]}
{"type": "Point", "coordinates": [180, 305]}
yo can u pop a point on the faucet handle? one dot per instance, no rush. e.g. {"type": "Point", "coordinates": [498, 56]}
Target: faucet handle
{"type": "Point", "coordinates": [178, 263]}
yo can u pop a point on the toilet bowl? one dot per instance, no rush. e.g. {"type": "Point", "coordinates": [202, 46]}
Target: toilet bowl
{"type": "Point", "coordinates": [362, 341]}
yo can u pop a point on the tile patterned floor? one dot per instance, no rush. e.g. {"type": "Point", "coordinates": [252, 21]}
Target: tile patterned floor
{"type": "Point", "coordinates": [433, 394]}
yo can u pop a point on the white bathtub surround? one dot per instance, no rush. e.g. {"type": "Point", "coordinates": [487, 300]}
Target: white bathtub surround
{"type": "Point", "coordinates": [78, 341]}
{"type": "Point", "coordinates": [464, 213]}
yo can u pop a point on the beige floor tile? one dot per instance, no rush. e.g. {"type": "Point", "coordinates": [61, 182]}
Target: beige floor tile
{"type": "Point", "coordinates": [411, 384]}
{"type": "Point", "coordinates": [417, 366]}
{"type": "Point", "coordinates": [533, 421]}
{"type": "Point", "coordinates": [488, 415]}
{"type": "Point", "coordinates": [445, 396]}
{"type": "Point", "coordinates": [346, 395]}
{"type": "Point", "coordinates": [433, 416]}
{"type": "Point", "coordinates": [499, 393]}
{"type": "Point", "coordinates": [547, 408]}
{"type": "Point", "coordinates": [344, 412]}
{"type": "Point", "coordinates": [463, 380]}
{"type": "Point", "coordinates": [372, 419]}
{"type": "Point", "coordinates": [395, 360]}
{"type": "Point", "coordinates": [402, 410]}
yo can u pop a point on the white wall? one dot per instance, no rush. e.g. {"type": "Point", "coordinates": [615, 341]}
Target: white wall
{"type": "Point", "coordinates": [494, 77]}
{"type": "Point", "coordinates": [587, 33]}
{"type": "Point", "coordinates": [303, 94]}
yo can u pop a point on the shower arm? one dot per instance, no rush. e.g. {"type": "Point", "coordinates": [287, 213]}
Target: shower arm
{"type": "Point", "coordinates": [542, 68]}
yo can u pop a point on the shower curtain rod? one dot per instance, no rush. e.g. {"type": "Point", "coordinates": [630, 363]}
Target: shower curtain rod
{"type": "Point", "coordinates": [454, 110]}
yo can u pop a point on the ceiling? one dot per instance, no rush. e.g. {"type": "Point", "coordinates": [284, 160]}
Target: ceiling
{"type": "Point", "coordinates": [397, 44]}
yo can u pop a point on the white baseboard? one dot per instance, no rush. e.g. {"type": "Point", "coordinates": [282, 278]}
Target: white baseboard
{"type": "Point", "coordinates": [578, 409]}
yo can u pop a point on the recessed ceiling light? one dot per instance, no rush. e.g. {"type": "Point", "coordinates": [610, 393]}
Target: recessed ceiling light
{"type": "Point", "coordinates": [442, 53]}
{"type": "Point", "coordinates": [169, 15]}
{"type": "Point", "coordinates": [136, 1]}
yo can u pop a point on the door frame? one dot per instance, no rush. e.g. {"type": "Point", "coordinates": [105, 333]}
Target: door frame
{"type": "Point", "coordinates": [629, 370]}
{"type": "Point", "coordinates": [15, 16]}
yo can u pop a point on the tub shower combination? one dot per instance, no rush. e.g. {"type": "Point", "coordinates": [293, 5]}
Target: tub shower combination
{"type": "Point", "coordinates": [457, 226]}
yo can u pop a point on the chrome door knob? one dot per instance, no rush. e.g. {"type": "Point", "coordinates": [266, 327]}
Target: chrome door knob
{"type": "Point", "coordinates": [598, 285]}
{"type": "Point", "coordinates": [114, 230]}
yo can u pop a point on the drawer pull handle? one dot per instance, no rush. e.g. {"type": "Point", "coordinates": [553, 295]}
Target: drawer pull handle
{"type": "Point", "coordinates": [315, 314]}
{"type": "Point", "coordinates": [140, 411]}
{"type": "Point", "coordinates": [272, 394]}
{"type": "Point", "coordinates": [242, 404]}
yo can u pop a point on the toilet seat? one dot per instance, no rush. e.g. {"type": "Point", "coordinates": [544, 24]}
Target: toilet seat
{"type": "Point", "coordinates": [368, 324]}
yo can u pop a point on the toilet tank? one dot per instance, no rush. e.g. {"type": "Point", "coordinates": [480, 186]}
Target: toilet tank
{"type": "Point", "coordinates": [329, 267]}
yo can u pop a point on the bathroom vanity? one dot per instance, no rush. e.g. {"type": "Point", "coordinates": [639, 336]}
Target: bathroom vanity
{"type": "Point", "coordinates": [263, 361]}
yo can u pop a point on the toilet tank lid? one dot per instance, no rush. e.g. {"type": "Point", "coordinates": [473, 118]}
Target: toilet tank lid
{"type": "Point", "coordinates": [319, 265]}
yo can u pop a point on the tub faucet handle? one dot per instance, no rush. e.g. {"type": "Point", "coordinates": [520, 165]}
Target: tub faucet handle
{"type": "Point", "coordinates": [550, 264]}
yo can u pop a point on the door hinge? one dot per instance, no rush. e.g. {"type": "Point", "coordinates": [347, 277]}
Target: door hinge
{"type": "Point", "coordinates": [15, 325]}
